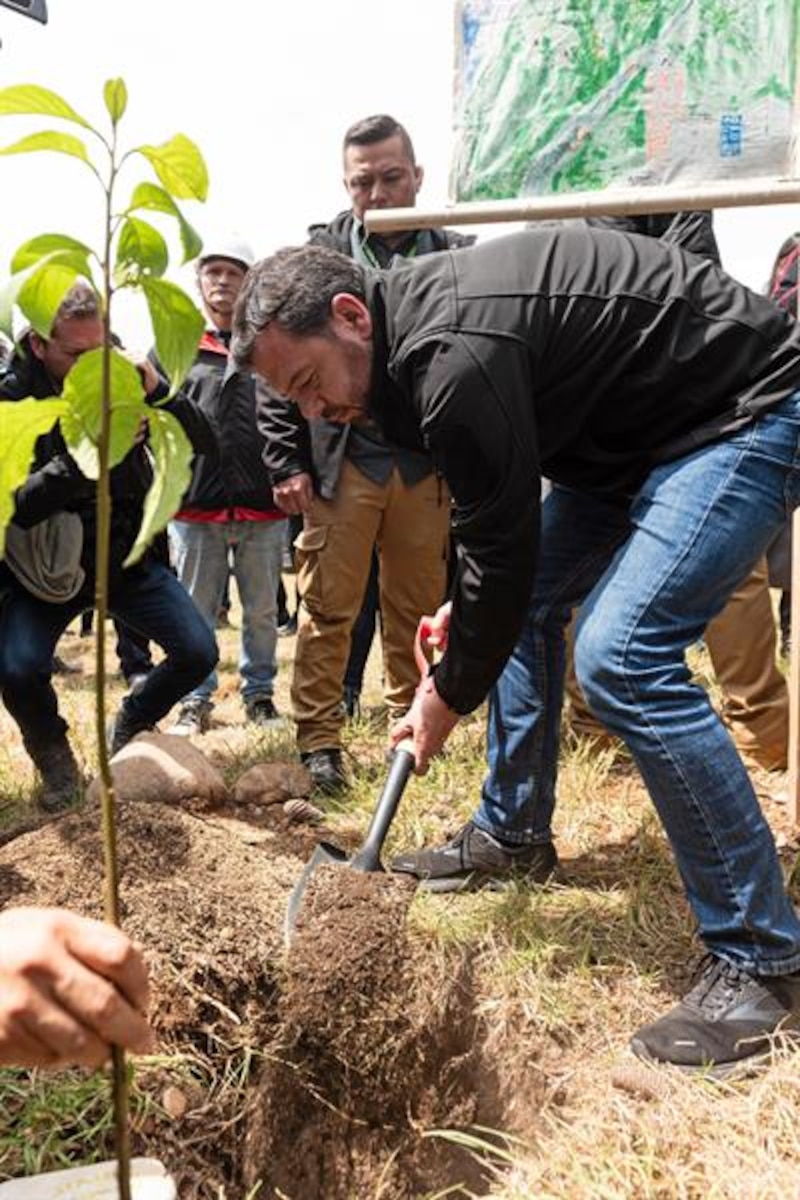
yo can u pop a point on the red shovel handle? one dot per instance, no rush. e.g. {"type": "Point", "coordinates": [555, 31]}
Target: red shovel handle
{"type": "Point", "coordinates": [423, 651]}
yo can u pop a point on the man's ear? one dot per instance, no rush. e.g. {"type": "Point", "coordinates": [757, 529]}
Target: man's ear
{"type": "Point", "coordinates": [37, 344]}
{"type": "Point", "coordinates": [419, 175]}
{"type": "Point", "coordinates": [350, 315]}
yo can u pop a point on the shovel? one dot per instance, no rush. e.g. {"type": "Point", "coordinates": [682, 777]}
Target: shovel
{"type": "Point", "coordinates": [368, 858]}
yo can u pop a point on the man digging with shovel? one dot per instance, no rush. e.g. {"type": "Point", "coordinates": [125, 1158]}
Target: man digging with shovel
{"type": "Point", "coordinates": [661, 399]}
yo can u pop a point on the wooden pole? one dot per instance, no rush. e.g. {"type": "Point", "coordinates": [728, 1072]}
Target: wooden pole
{"type": "Point", "coordinates": [728, 193]}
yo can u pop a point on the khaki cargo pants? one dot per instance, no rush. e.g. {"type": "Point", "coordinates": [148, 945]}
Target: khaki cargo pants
{"type": "Point", "coordinates": [410, 528]}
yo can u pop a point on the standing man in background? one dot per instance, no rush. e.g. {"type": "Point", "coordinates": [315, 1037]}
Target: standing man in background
{"type": "Point", "coordinates": [357, 490]}
{"type": "Point", "coordinates": [228, 509]}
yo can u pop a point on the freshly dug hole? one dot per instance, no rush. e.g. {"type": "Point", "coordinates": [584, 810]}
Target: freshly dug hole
{"type": "Point", "coordinates": [359, 1041]}
{"type": "Point", "coordinates": [377, 1043]}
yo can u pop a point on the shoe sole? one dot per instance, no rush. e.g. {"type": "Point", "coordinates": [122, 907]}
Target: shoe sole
{"type": "Point", "coordinates": [742, 1068]}
{"type": "Point", "coordinates": [478, 882]}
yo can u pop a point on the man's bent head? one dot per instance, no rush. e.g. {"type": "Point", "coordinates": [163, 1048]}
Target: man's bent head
{"type": "Point", "coordinates": [301, 322]}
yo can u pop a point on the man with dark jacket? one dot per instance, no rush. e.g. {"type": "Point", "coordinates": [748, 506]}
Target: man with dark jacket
{"type": "Point", "coordinates": [661, 399]}
{"type": "Point", "coordinates": [147, 596]}
{"type": "Point", "coordinates": [228, 509]}
{"type": "Point", "coordinates": [357, 489]}
{"type": "Point", "coordinates": [741, 641]}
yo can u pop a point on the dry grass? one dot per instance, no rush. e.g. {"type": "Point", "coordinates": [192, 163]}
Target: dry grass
{"type": "Point", "coordinates": [562, 976]}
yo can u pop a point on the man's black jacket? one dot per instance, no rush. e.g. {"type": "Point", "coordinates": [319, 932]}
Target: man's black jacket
{"type": "Point", "coordinates": [236, 475]}
{"type": "Point", "coordinates": [56, 484]}
{"type": "Point", "coordinates": [294, 445]}
{"type": "Point", "coordinates": [582, 354]}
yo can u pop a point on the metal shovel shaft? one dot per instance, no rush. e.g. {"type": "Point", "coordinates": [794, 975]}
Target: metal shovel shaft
{"type": "Point", "coordinates": [368, 858]}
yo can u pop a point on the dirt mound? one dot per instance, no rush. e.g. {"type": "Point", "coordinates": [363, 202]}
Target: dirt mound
{"type": "Point", "coordinates": [379, 1043]}
{"type": "Point", "coordinates": [355, 1044]}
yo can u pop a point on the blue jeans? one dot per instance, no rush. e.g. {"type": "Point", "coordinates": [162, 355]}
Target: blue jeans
{"type": "Point", "coordinates": [200, 555]}
{"type": "Point", "coordinates": [147, 598]}
{"type": "Point", "coordinates": [648, 578]}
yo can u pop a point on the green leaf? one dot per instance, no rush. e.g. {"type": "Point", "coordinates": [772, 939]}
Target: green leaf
{"type": "Point", "coordinates": [153, 197]}
{"type": "Point", "coordinates": [46, 244]}
{"type": "Point", "coordinates": [42, 292]}
{"type": "Point", "coordinates": [28, 98]}
{"type": "Point", "coordinates": [49, 139]}
{"type": "Point", "coordinates": [115, 95]}
{"type": "Point", "coordinates": [172, 463]}
{"type": "Point", "coordinates": [178, 326]}
{"type": "Point", "coordinates": [21, 423]}
{"type": "Point", "coordinates": [83, 391]}
{"type": "Point", "coordinates": [142, 245]}
{"type": "Point", "coordinates": [180, 167]}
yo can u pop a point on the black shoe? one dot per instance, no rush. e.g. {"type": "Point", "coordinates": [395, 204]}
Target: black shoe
{"type": "Point", "coordinates": [288, 627]}
{"type": "Point", "coordinates": [474, 859]}
{"type": "Point", "coordinates": [326, 770]}
{"type": "Point", "coordinates": [61, 780]}
{"type": "Point", "coordinates": [728, 1017]}
{"type": "Point", "coordinates": [261, 711]}
{"type": "Point", "coordinates": [124, 729]}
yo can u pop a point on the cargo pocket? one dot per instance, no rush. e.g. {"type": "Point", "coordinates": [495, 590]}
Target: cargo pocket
{"type": "Point", "coordinates": [309, 546]}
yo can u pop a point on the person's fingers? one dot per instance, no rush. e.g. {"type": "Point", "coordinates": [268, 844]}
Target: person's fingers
{"type": "Point", "coordinates": [20, 1047]}
{"type": "Point", "coordinates": [105, 1014]}
{"type": "Point", "coordinates": [111, 953]}
{"type": "Point", "coordinates": [61, 1038]}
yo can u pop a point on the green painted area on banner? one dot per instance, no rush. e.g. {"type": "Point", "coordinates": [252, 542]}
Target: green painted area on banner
{"type": "Point", "coordinates": [564, 95]}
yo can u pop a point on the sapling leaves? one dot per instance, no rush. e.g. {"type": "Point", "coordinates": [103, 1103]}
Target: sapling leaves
{"type": "Point", "coordinates": [49, 139]}
{"type": "Point", "coordinates": [151, 196]}
{"type": "Point", "coordinates": [81, 424]}
{"type": "Point", "coordinates": [45, 244]}
{"type": "Point", "coordinates": [180, 167]}
{"type": "Point", "coordinates": [43, 290]}
{"type": "Point", "coordinates": [22, 422]}
{"type": "Point", "coordinates": [102, 409]}
{"type": "Point", "coordinates": [177, 324]}
{"type": "Point", "coordinates": [141, 246]}
{"type": "Point", "coordinates": [30, 99]}
{"type": "Point", "coordinates": [115, 94]}
{"type": "Point", "coordinates": [172, 460]}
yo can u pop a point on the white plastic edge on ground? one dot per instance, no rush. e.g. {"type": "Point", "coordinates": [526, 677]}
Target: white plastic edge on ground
{"type": "Point", "coordinates": [149, 1181]}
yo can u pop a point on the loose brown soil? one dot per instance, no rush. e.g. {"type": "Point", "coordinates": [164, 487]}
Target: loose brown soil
{"type": "Point", "coordinates": [360, 1039]}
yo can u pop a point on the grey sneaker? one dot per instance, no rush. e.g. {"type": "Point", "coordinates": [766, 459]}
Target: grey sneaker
{"type": "Point", "coordinates": [193, 718]}
{"type": "Point", "coordinates": [62, 783]}
{"type": "Point", "coordinates": [474, 859]}
{"type": "Point", "coordinates": [725, 1022]}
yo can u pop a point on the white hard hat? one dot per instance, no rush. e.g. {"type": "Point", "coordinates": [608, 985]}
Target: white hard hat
{"type": "Point", "coordinates": [233, 248]}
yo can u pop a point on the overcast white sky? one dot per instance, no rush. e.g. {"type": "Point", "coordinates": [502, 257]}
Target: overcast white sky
{"type": "Point", "coordinates": [266, 88]}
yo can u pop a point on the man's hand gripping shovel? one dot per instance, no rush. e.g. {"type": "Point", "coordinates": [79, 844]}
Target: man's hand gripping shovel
{"type": "Point", "coordinates": [368, 858]}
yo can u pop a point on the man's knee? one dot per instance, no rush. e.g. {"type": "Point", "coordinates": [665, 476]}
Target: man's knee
{"type": "Point", "coordinates": [196, 645]}
{"type": "Point", "coordinates": [599, 668]}
{"type": "Point", "coordinates": [21, 663]}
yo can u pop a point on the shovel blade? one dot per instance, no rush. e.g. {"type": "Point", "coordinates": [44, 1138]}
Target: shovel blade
{"type": "Point", "coordinates": [325, 855]}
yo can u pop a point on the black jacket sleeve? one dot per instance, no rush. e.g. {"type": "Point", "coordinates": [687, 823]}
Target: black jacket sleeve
{"type": "Point", "coordinates": [474, 400]}
{"type": "Point", "coordinates": [194, 422]}
{"type": "Point", "coordinates": [287, 448]}
{"type": "Point", "coordinates": [53, 487]}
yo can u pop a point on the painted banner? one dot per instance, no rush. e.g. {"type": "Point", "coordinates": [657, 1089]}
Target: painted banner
{"type": "Point", "coordinates": [565, 95]}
